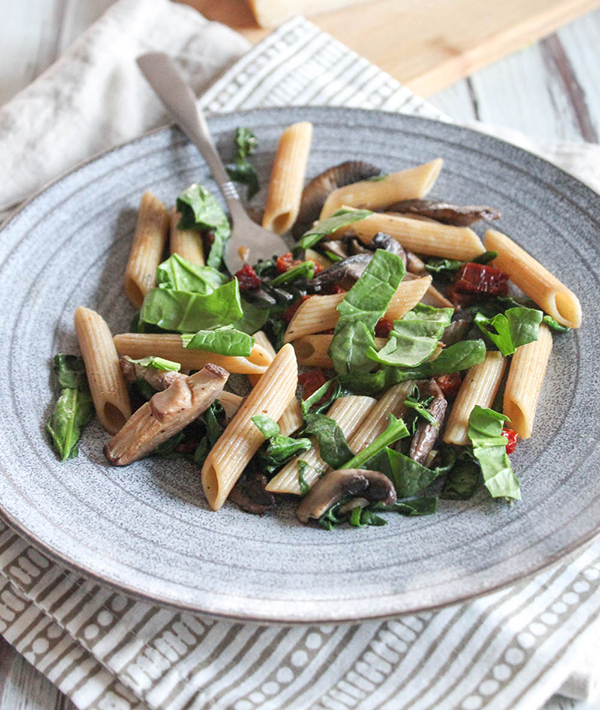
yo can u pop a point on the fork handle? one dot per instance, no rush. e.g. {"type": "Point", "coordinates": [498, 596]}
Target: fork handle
{"type": "Point", "coordinates": [164, 77]}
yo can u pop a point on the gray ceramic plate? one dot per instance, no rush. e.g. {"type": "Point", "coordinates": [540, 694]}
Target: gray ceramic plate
{"type": "Point", "coordinates": [146, 528]}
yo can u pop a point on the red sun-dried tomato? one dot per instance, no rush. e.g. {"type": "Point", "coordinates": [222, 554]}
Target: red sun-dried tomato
{"type": "Point", "coordinates": [311, 380]}
{"type": "Point", "coordinates": [449, 384]}
{"type": "Point", "coordinates": [247, 278]}
{"type": "Point", "coordinates": [285, 262]}
{"type": "Point", "coordinates": [287, 315]}
{"type": "Point", "coordinates": [481, 278]}
{"type": "Point", "coordinates": [512, 437]}
{"type": "Point", "coordinates": [383, 328]}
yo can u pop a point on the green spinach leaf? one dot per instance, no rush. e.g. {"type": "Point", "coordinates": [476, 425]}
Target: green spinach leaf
{"type": "Point", "coordinates": [396, 429]}
{"type": "Point", "coordinates": [303, 467]}
{"type": "Point", "coordinates": [200, 210]}
{"type": "Point", "coordinates": [417, 506]}
{"type": "Point", "coordinates": [462, 481]}
{"type": "Point", "coordinates": [253, 319]}
{"type": "Point", "coordinates": [511, 329]}
{"type": "Point", "coordinates": [242, 171]}
{"type": "Point", "coordinates": [281, 449]}
{"type": "Point", "coordinates": [302, 271]}
{"type": "Point", "coordinates": [158, 363]}
{"type": "Point", "coordinates": [214, 418]}
{"type": "Point", "coordinates": [333, 447]}
{"type": "Point", "coordinates": [223, 341]}
{"type": "Point", "coordinates": [408, 476]}
{"type": "Point", "coordinates": [341, 218]}
{"type": "Point", "coordinates": [553, 324]}
{"type": "Point", "coordinates": [180, 274]}
{"type": "Point", "coordinates": [268, 427]}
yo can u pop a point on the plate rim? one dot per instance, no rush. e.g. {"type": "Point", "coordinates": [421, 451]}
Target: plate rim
{"type": "Point", "coordinates": [299, 615]}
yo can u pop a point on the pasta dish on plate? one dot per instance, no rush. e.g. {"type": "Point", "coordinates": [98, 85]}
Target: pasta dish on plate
{"type": "Point", "coordinates": [391, 358]}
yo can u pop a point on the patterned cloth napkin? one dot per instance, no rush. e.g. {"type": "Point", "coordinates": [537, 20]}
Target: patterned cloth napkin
{"type": "Point", "coordinates": [513, 648]}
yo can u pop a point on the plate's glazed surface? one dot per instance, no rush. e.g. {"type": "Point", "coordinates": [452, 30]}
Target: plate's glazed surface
{"type": "Point", "coordinates": [147, 529]}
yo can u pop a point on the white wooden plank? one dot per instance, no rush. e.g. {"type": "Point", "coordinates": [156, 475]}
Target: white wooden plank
{"type": "Point", "coordinates": [456, 101]}
{"type": "Point", "coordinates": [78, 16]}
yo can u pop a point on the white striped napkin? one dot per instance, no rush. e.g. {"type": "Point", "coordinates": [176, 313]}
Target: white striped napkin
{"type": "Point", "coordinates": [511, 649]}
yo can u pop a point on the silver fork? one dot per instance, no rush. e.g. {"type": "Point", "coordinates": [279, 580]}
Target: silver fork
{"type": "Point", "coordinates": [164, 77]}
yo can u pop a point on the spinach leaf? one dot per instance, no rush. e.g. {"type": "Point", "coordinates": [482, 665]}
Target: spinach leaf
{"type": "Point", "coordinates": [73, 408]}
{"type": "Point", "coordinates": [320, 394]}
{"type": "Point", "coordinates": [363, 517]}
{"type": "Point", "coordinates": [200, 210]}
{"type": "Point", "coordinates": [201, 451]}
{"type": "Point", "coordinates": [553, 324]}
{"type": "Point", "coordinates": [316, 396]}
{"type": "Point", "coordinates": [484, 258]}
{"type": "Point", "coordinates": [408, 476]}
{"type": "Point", "coordinates": [182, 275]}
{"type": "Point", "coordinates": [242, 171]}
{"type": "Point", "coordinates": [417, 506]}
{"type": "Point", "coordinates": [158, 363]}
{"type": "Point", "coordinates": [341, 218]}
{"type": "Point", "coordinates": [413, 338]}
{"type": "Point", "coordinates": [414, 402]}
{"type": "Point", "coordinates": [455, 358]}
{"type": "Point", "coordinates": [168, 449]}
{"type": "Point", "coordinates": [223, 341]}
{"type": "Point", "coordinates": [303, 271]}
{"type": "Point", "coordinates": [190, 312]}
{"type": "Point", "coordinates": [396, 429]}
{"type": "Point", "coordinates": [333, 447]}
{"type": "Point", "coordinates": [364, 304]}
{"type": "Point", "coordinates": [214, 418]}
{"type": "Point", "coordinates": [511, 329]}
{"type": "Point", "coordinates": [303, 466]}
{"type": "Point", "coordinates": [281, 449]}
{"type": "Point", "coordinates": [268, 427]}
{"type": "Point", "coordinates": [253, 319]}
{"type": "Point", "coordinates": [462, 481]}
{"type": "Point", "coordinates": [443, 266]}
{"type": "Point", "coordinates": [489, 448]}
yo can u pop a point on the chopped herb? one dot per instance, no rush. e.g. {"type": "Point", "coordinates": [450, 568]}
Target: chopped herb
{"type": "Point", "coordinates": [303, 466]}
{"type": "Point", "coordinates": [553, 324]}
{"type": "Point", "coordinates": [300, 272]}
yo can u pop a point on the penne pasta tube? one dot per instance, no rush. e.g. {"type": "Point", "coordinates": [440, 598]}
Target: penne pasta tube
{"type": "Point", "coordinates": [147, 248]}
{"type": "Point", "coordinates": [376, 422]}
{"type": "Point", "coordinates": [413, 183]}
{"type": "Point", "coordinates": [431, 238]}
{"type": "Point", "coordinates": [431, 297]}
{"type": "Point", "coordinates": [291, 419]}
{"type": "Point", "coordinates": [170, 346]}
{"type": "Point", "coordinates": [242, 438]}
{"type": "Point", "coordinates": [319, 313]}
{"type": "Point", "coordinates": [525, 380]}
{"type": "Point", "coordinates": [535, 280]}
{"type": "Point", "coordinates": [349, 413]}
{"type": "Point", "coordinates": [107, 385]}
{"type": "Point", "coordinates": [312, 350]}
{"type": "Point", "coordinates": [479, 387]}
{"type": "Point", "coordinates": [230, 403]}
{"type": "Point", "coordinates": [287, 178]}
{"type": "Point", "coordinates": [185, 242]}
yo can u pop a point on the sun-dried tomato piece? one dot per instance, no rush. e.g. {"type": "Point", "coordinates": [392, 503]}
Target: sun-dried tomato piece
{"type": "Point", "coordinates": [383, 328]}
{"type": "Point", "coordinates": [512, 437]}
{"type": "Point", "coordinates": [449, 384]}
{"type": "Point", "coordinates": [481, 279]}
{"type": "Point", "coordinates": [287, 315]}
{"type": "Point", "coordinates": [247, 278]}
{"type": "Point", "coordinates": [311, 380]}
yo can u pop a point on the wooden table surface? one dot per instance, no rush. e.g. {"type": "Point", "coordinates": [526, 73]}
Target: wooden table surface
{"type": "Point", "coordinates": [550, 91]}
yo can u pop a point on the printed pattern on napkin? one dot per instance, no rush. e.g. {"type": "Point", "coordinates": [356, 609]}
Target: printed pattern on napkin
{"type": "Point", "coordinates": [108, 652]}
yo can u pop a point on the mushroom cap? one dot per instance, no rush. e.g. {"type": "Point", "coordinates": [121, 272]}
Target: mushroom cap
{"type": "Point", "coordinates": [445, 212]}
{"type": "Point", "coordinates": [342, 484]}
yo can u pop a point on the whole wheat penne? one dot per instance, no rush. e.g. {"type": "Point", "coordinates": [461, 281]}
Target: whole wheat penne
{"type": "Point", "coordinates": [291, 419]}
{"type": "Point", "coordinates": [431, 238]}
{"type": "Point", "coordinates": [287, 178]}
{"type": "Point", "coordinates": [319, 313]}
{"type": "Point", "coordinates": [170, 347]}
{"type": "Point", "coordinates": [479, 387]}
{"type": "Point", "coordinates": [242, 438]}
{"type": "Point", "coordinates": [378, 418]}
{"type": "Point", "coordinates": [525, 379]}
{"type": "Point", "coordinates": [230, 403]}
{"type": "Point", "coordinates": [431, 297]}
{"type": "Point", "coordinates": [349, 413]}
{"type": "Point", "coordinates": [185, 242]}
{"type": "Point", "coordinates": [312, 350]}
{"type": "Point", "coordinates": [147, 248]}
{"type": "Point", "coordinates": [107, 385]}
{"type": "Point", "coordinates": [413, 183]}
{"type": "Point", "coordinates": [534, 279]}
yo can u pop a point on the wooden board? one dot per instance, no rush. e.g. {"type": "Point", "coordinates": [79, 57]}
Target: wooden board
{"type": "Point", "coordinates": [425, 44]}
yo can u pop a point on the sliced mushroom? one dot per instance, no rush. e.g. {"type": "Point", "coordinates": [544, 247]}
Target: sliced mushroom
{"type": "Point", "coordinates": [344, 273]}
{"type": "Point", "coordinates": [445, 212]}
{"type": "Point", "coordinates": [456, 331]}
{"type": "Point", "coordinates": [337, 247]}
{"type": "Point", "coordinates": [345, 483]}
{"type": "Point", "coordinates": [426, 435]}
{"type": "Point", "coordinates": [414, 264]}
{"type": "Point", "coordinates": [384, 241]}
{"type": "Point", "coordinates": [166, 414]}
{"type": "Point", "coordinates": [317, 190]}
{"type": "Point", "coordinates": [250, 495]}
{"type": "Point", "coordinates": [157, 379]}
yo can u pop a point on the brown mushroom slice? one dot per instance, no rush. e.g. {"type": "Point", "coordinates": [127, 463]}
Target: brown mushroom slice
{"type": "Point", "coordinates": [157, 379]}
{"type": "Point", "coordinates": [344, 273]}
{"type": "Point", "coordinates": [316, 191]}
{"type": "Point", "coordinates": [445, 212]}
{"type": "Point", "coordinates": [342, 484]}
{"type": "Point", "coordinates": [250, 495]}
{"type": "Point", "coordinates": [456, 331]}
{"type": "Point", "coordinates": [166, 414]}
{"type": "Point", "coordinates": [388, 243]}
{"type": "Point", "coordinates": [414, 264]}
{"type": "Point", "coordinates": [427, 434]}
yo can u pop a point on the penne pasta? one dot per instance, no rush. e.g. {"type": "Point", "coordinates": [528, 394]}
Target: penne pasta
{"type": "Point", "coordinates": [107, 385]}
{"type": "Point", "coordinates": [413, 183]}
{"type": "Point", "coordinates": [479, 387]}
{"type": "Point", "coordinates": [291, 419]}
{"type": "Point", "coordinates": [525, 380]}
{"type": "Point", "coordinates": [185, 242]}
{"type": "Point", "coordinates": [319, 313]}
{"type": "Point", "coordinates": [147, 248]}
{"type": "Point", "coordinates": [287, 178]}
{"type": "Point", "coordinates": [242, 438]}
{"type": "Point", "coordinates": [230, 403]}
{"type": "Point", "coordinates": [376, 422]}
{"type": "Point", "coordinates": [170, 347]}
{"type": "Point", "coordinates": [430, 238]}
{"type": "Point", "coordinates": [535, 280]}
{"type": "Point", "coordinates": [312, 350]}
{"type": "Point", "coordinates": [431, 297]}
{"type": "Point", "coordinates": [349, 413]}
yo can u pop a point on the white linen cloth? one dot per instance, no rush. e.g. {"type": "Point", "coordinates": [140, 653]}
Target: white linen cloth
{"type": "Point", "coordinates": [513, 648]}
